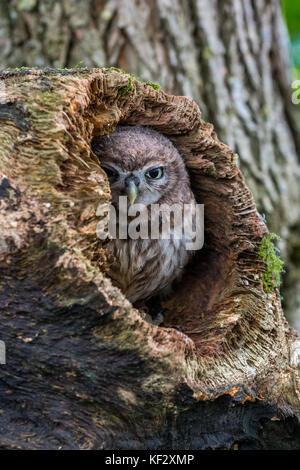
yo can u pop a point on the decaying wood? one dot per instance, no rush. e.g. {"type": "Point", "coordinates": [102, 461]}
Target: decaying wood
{"type": "Point", "coordinates": [84, 369]}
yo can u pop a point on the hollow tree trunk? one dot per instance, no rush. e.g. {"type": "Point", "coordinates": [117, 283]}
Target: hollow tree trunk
{"type": "Point", "coordinates": [83, 367]}
{"type": "Point", "coordinates": [229, 56]}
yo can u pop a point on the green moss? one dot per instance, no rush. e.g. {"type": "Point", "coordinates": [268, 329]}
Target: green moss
{"type": "Point", "coordinates": [24, 67]}
{"type": "Point", "coordinates": [273, 265]}
{"type": "Point", "coordinates": [130, 85]}
{"type": "Point", "coordinates": [213, 173]}
{"type": "Point", "coordinates": [156, 86]}
{"type": "Point", "coordinates": [112, 69]}
{"type": "Point", "coordinates": [79, 64]}
{"type": "Point", "coordinates": [123, 91]}
{"type": "Point", "coordinates": [128, 88]}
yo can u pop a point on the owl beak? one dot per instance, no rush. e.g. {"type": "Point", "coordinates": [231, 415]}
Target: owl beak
{"type": "Point", "coordinates": [132, 191]}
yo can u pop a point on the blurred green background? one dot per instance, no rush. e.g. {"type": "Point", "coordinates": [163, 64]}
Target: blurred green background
{"type": "Point", "coordinates": [291, 11]}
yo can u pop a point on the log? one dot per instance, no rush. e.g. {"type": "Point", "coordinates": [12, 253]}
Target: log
{"type": "Point", "coordinates": [84, 369]}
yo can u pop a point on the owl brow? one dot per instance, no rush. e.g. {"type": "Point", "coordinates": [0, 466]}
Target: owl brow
{"type": "Point", "coordinates": [111, 165]}
{"type": "Point", "coordinates": [154, 164]}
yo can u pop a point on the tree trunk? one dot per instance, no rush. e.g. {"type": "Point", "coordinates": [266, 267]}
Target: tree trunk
{"type": "Point", "coordinates": [83, 367]}
{"type": "Point", "coordinates": [229, 56]}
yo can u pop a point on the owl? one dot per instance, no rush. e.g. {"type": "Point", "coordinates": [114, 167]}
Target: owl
{"type": "Point", "coordinates": [144, 166]}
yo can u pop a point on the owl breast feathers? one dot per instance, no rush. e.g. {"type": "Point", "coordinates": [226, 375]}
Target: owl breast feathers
{"type": "Point", "coordinates": [144, 166]}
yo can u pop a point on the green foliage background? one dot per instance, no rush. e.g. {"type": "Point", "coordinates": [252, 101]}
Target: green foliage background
{"type": "Point", "coordinates": [291, 12]}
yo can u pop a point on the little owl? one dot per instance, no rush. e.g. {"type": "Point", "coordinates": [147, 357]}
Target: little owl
{"type": "Point", "coordinates": [144, 165]}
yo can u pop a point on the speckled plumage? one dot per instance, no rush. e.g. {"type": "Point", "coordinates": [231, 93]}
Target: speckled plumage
{"type": "Point", "coordinates": [143, 268]}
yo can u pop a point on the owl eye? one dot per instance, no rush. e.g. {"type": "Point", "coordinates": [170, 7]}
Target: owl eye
{"type": "Point", "coordinates": [111, 174]}
{"type": "Point", "coordinates": [155, 173]}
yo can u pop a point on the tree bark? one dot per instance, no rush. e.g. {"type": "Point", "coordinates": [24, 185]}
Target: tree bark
{"type": "Point", "coordinates": [229, 56]}
{"type": "Point", "coordinates": [84, 369]}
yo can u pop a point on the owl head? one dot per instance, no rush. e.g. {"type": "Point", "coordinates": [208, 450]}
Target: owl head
{"type": "Point", "coordinates": [143, 165]}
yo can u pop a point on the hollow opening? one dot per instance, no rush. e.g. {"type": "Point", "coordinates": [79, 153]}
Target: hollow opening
{"type": "Point", "coordinates": [201, 292]}
{"type": "Point", "coordinates": [209, 300]}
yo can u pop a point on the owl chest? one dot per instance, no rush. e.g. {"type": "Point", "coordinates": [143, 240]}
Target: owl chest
{"type": "Point", "coordinates": [138, 260]}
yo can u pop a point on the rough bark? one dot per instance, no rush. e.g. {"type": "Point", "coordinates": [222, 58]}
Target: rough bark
{"type": "Point", "coordinates": [229, 56]}
{"type": "Point", "coordinates": [84, 369]}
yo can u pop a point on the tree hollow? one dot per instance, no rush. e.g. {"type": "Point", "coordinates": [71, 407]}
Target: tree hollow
{"type": "Point", "coordinates": [78, 353]}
